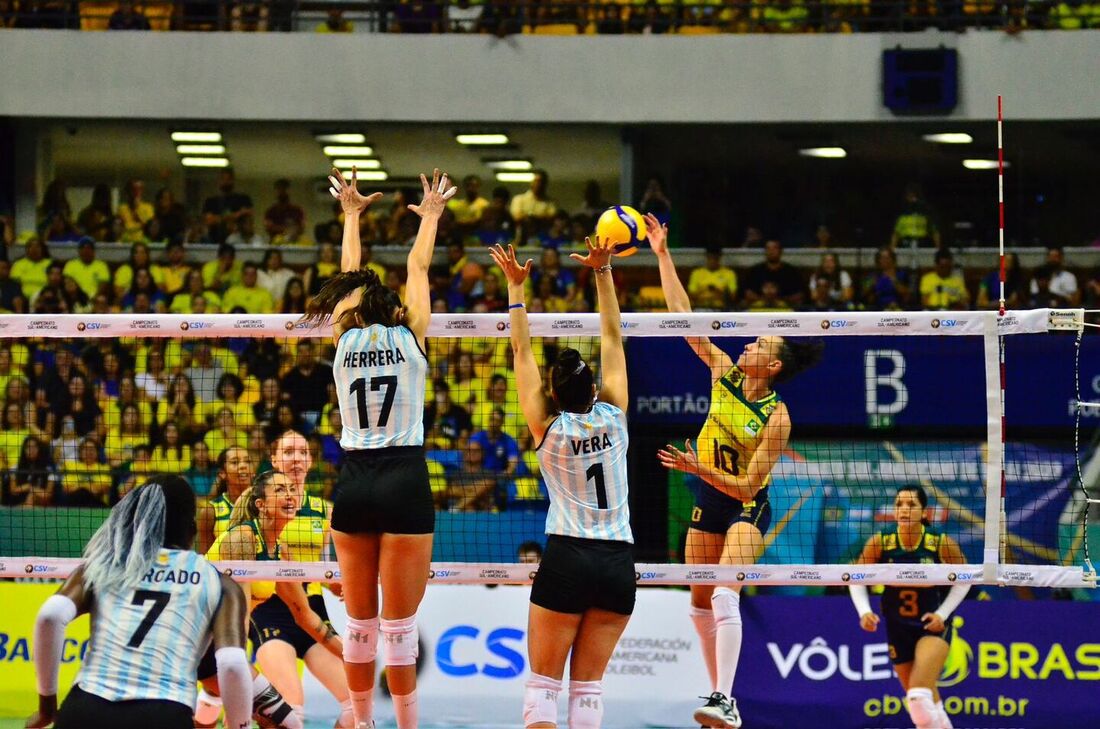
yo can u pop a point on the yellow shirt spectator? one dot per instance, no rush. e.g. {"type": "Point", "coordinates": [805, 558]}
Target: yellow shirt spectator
{"type": "Point", "coordinates": [243, 416]}
{"type": "Point", "coordinates": [96, 477]}
{"type": "Point", "coordinates": [31, 275]}
{"type": "Point", "coordinates": [88, 274]}
{"type": "Point", "coordinates": [120, 448]}
{"type": "Point", "coordinates": [124, 276]}
{"type": "Point", "coordinates": [11, 444]}
{"type": "Point", "coordinates": [467, 212]}
{"type": "Point", "coordinates": [944, 292]}
{"type": "Point", "coordinates": [712, 286]}
{"type": "Point", "coordinates": [182, 303]}
{"type": "Point", "coordinates": [231, 277]}
{"type": "Point", "coordinates": [171, 460]}
{"type": "Point", "coordinates": [134, 218]}
{"type": "Point", "coordinates": [174, 278]}
{"type": "Point", "coordinates": [217, 441]}
{"type": "Point", "coordinates": [253, 299]}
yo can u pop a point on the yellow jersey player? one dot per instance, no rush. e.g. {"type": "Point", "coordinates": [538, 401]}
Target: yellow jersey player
{"type": "Point", "coordinates": [746, 431]}
{"type": "Point", "coordinates": [235, 472]}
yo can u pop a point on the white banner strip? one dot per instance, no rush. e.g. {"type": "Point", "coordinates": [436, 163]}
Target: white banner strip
{"type": "Point", "coordinates": [741, 324]}
{"type": "Point", "coordinates": [458, 573]}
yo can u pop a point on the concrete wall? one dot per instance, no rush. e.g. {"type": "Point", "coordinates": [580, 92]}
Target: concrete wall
{"type": "Point", "coordinates": [750, 78]}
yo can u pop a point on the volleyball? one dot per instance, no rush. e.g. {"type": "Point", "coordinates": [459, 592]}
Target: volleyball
{"type": "Point", "coordinates": [624, 227]}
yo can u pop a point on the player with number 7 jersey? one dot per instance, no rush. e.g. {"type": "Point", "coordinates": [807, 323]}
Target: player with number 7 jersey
{"type": "Point", "coordinates": [583, 593]}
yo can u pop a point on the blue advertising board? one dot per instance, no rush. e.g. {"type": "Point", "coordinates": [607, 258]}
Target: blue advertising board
{"type": "Point", "coordinates": [1033, 664]}
{"type": "Point", "coordinates": [881, 382]}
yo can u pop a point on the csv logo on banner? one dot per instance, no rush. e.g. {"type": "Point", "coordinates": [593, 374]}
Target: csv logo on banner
{"type": "Point", "coordinates": [462, 652]}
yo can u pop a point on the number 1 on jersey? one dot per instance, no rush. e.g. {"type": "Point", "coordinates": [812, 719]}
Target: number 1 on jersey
{"type": "Point", "coordinates": [359, 389]}
{"type": "Point", "coordinates": [595, 471]}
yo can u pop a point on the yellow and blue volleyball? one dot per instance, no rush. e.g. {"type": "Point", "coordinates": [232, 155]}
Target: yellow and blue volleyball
{"type": "Point", "coordinates": [624, 227]}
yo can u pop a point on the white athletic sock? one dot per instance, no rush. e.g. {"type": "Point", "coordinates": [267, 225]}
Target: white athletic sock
{"type": "Point", "coordinates": [922, 710]}
{"type": "Point", "coordinates": [405, 711]}
{"type": "Point", "coordinates": [727, 641]}
{"type": "Point", "coordinates": [346, 720]}
{"type": "Point", "coordinates": [703, 619]}
{"type": "Point", "coordinates": [362, 704]}
{"type": "Point", "coordinates": [300, 712]}
{"type": "Point", "coordinates": [208, 708]}
{"type": "Point", "coordinates": [259, 684]}
{"type": "Point", "coordinates": [945, 720]}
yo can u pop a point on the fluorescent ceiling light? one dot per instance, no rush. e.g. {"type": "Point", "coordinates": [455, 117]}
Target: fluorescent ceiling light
{"type": "Point", "coordinates": [200, 137]}
{"type": "Point", "coordinates": [515, 176]}
{"type": "Point", "coordinates": [342, 151]}
{"type": "Point", "coordinates": [204, 162]}
{"type": "Point", "coordinates": [949, 138]}
{"type": "Point", "coordinates": [368, 175]}
{"type": "Point", "coordinates": [362, 164]}
{"type": "Point", "coordinates": [481, 139]}
{"type": "Point", "coordinates": [200, 149]}
{"type": "Point", "coordinates": [341, 138]}
{"type": "Point", "coordinates": [515, 165]}
{"type": "Point", "coordinates": [824, 152]}
{"type": "Point", "coordinates": [981, 164]}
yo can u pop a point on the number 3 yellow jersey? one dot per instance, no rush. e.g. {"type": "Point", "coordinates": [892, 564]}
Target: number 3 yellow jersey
{"type": "Point", "coordinates": [734, 425]}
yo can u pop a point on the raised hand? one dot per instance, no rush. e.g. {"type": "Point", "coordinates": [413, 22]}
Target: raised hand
{"type": "Point", "coordinates": [674, 459]}
{"type": "Point", "coordinates": [656, 234]}
{"type": "Point", "coordinates": [599, 253]}
{"type": "Point", "coordinates": [515, 273]}
{"type": "Point", "coordinates": [348, 193]}
{"type": "Point", "coordinates": [436, 195]}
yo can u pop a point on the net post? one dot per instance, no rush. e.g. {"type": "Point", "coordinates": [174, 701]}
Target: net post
{"type": "Point", "coordinates": [994, 475]}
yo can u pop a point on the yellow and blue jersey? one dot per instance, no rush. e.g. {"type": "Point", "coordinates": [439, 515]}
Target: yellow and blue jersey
{"type": "Point", "coordinates": [261, 591]}
{"type": "Point", "coordinates": [908, 604]}
{"type": "Point", "coordinates": [734, 426]}
{"type": "Point", "coordinates": [305, 535]}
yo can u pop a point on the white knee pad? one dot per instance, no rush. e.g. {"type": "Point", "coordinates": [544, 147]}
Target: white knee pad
{"type": "Point", "coordinates": [400, 641]}
{"type": "Point", "coordinates": [540, 700]}
{"type": "Point", "coordinates": [922, 709]}
{"type": "Point", "coordinates": [727, 607]}
{"type": "Point", "coordinates": [361, 640]}
{"type": "Point", "coordinates": [585, 704]}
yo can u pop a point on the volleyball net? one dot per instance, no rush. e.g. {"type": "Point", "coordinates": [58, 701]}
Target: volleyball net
{"type": "Point", "coordinates": [991, 415]}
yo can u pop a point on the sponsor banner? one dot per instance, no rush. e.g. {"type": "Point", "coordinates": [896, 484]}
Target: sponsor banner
{"type": "Point", "coordinates": [880, 383]}
{"type": "Point", "coordinates": [550, 325]}
{"type": "Point", "coordinates": [473, 662]}
{"type": "Point", "coordinates": [1011, 664]}
{"type": "Point", "coordinates": [474, 573]}
{"type": "Point", "coordinates": [18, 690]}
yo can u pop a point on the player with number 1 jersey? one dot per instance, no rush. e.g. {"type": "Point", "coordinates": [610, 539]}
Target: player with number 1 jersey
{"type": "Point", "coordinates": [583, 592]}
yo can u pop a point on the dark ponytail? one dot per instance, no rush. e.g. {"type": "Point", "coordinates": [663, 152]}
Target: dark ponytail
{"type": "Point", "coordinates": [376, 307]}
{"type": "Point", "coordinates": [571, 382]}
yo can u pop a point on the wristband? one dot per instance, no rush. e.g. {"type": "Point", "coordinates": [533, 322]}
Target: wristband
{"type": "Point", "coordinates": [604, 269]}
{"type": "Point", "coordinates": [516, 306]}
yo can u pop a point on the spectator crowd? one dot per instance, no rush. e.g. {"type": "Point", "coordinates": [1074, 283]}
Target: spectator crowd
{"type": "Point", "coordinates": [551, 17]}
{"type": "Point", "coordinates": [85, 420]}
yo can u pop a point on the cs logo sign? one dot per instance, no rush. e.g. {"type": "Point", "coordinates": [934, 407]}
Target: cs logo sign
{"type": "Point", "coordinates": [504, 662]}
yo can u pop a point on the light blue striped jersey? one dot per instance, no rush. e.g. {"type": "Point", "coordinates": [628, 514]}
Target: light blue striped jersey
{"type": "Point", "coordinates": [146, 642]}
{"type": "Point", "coordinates": [583, 460]}
{"type": "Point", "coordinates": [381, 379]}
